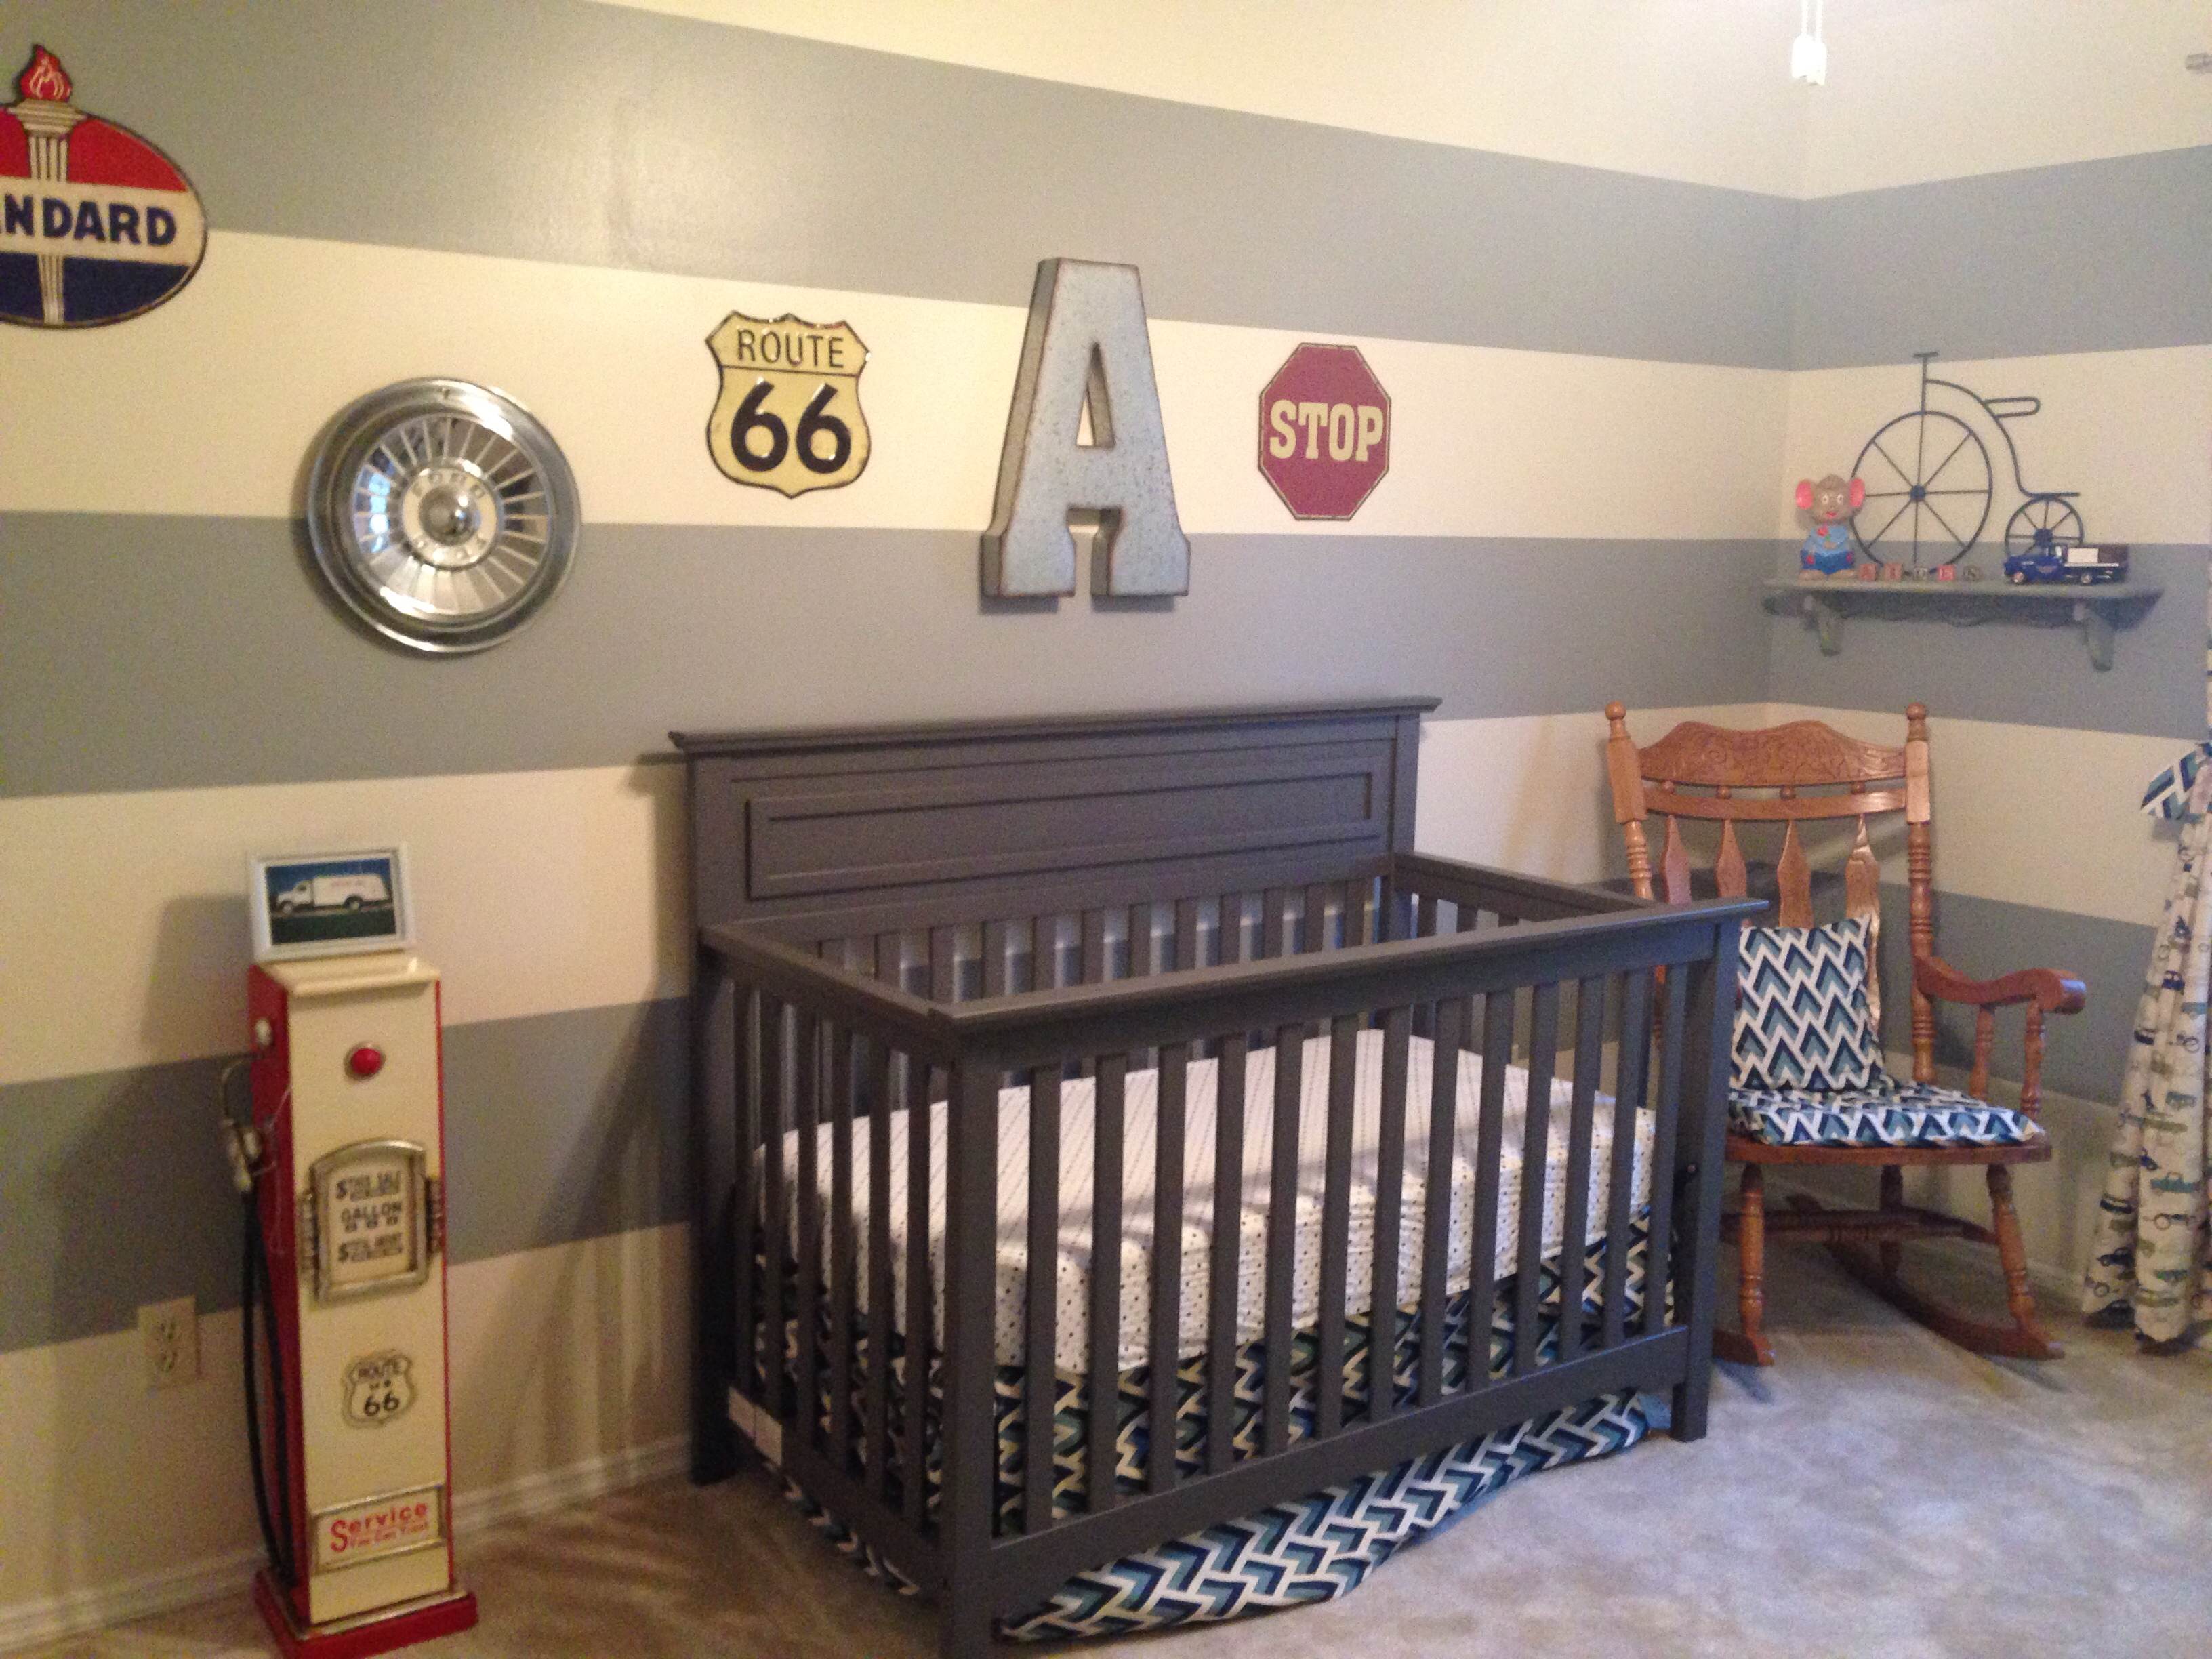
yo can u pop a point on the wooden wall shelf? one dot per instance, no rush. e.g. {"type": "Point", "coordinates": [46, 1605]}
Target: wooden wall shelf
{"type": "Point", "coordinates": [2098, 611]}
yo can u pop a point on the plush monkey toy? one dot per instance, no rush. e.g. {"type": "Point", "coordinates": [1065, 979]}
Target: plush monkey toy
{"type": "Point", "coordinates": [1828, 551]}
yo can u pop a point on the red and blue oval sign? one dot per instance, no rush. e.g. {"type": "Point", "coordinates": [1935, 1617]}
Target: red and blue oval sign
{"type": "Point", "coordinates": [96, 225]}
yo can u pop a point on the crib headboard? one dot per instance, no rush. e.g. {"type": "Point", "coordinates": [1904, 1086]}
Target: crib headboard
{"type": "Point", "coordinates": [851, 830]}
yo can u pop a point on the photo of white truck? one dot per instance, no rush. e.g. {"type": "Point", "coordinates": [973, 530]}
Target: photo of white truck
{"type": "Point", "coordinates": [352, 892]}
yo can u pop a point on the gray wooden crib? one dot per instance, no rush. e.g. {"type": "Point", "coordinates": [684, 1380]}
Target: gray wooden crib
{"type": "Point", "coordinates": [915, 940]}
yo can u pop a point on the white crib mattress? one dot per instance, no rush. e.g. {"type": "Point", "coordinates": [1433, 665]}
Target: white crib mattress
{"type": "Point", "coordinates": [1078, 1161]}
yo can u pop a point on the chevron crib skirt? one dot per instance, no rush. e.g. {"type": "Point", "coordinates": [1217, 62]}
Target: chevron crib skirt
{"type": "Point", "coordinates": [1312, 1549]}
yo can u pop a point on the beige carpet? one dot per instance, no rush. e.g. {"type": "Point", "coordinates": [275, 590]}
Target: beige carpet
{"type": "Point", "coordinates": [1877, 1492]}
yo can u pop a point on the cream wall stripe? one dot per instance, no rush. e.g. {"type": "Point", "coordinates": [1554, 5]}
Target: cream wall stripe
{"type": "Point", "coordinates": [2129, 430]}
{"type": "Point", "coordinates": [125, 915]}
{"type": "Point", "coordinates": [280, 333]}
{"type": "Point", "coordinates": [1678, 89]}
{"type": "Point", "coordinates": [1918, 92]}
{"type": "Point", "coordinates": [536, 892]}
{"type": "Point", "coordinates": [543, 893]}
{"type": "Point", "coordinates": [1674, 89]}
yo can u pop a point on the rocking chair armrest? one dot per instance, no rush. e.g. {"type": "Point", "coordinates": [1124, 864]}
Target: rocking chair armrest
{"type": "Point", "coordinates": [2051, 989]}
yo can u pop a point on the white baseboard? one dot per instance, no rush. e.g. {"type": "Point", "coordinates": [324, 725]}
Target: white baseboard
{"type": "Point", "coordinates": [214, 1576]}
{"type": "Point", "coordinates": [578, 1483]}
{"type": "Point", "coordinates": [75, 1611]}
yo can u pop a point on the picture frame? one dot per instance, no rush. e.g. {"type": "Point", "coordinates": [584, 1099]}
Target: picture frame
{"type": "Point", "coordinates": [331, 903]}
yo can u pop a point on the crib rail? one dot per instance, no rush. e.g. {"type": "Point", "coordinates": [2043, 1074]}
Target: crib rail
{"type": "Point", "coordinates": [824, 1039]}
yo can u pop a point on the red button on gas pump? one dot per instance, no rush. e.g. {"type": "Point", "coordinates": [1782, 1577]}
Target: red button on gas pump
{"type": "Point", "coordinates": [365, 1060]}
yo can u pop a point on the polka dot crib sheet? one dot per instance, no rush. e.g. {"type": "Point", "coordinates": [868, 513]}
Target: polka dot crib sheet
{"type": "Point", "coordinates": [1201, 1205]}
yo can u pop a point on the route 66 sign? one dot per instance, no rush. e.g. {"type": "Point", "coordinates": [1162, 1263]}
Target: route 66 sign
{"type": "Point", "coordinates": [379, 1387]}
{"type": "Point", "coordinates": [789, 416]}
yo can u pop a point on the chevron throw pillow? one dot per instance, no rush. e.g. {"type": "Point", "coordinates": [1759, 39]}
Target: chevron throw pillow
{"type": "Point", "coordinates": [1803, 1022]}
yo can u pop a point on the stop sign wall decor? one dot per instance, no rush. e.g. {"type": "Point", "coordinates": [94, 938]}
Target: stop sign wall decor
{"type": "Point", "coordinates": [1324, 431]}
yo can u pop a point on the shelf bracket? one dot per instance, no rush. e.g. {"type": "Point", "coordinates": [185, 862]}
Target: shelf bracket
{"type": "Point", "coordinates": [1830, 622]}
{"type": "Point", "coordinates": [2096, 631]}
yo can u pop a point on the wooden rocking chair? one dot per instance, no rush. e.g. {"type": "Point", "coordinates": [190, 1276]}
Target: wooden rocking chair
{"type": "Point", "coordinates": [1803, 772]}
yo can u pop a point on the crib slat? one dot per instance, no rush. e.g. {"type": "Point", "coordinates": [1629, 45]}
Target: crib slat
{"type": "Point", "coordinates": [1186, 935]}
{"type": "Point", "coordinates": [1021, 943]}
{"type": "Point", "coordinates": [1103, 1384]}
{"type": "Point", "coordinates": [1468, 919]}
{"type": "Point", "coordinates": [1040, 1355]}
{"type": "Point", "coordinates": [1094, 947]}
{"type": "Point", "coordinates": [1336, 1227]}
{"type": "Point", "coordinates": [944, 983]}
{"type": "Point", "coordinates": [1167, 1262]}
{"type": "Point", "coordinates": [1313, 926]}
{"type": "Point", "coordinates": [995, 937]}
{"type": "Point", "coordinates": [1282, 1230]}
{"type": "Point", "coordinates": [1359, 920]}
{"type": "Point", "coordinates": [806, 1053]}
{"type": "Point", "coordinates": [1273, 903]}
{"type": "Point", "coordinates": [1396, 921]}
{"type": "Point", "coordinates": [1436, 1196]}
{"type": "Point", "coordinates": [1497, 1019]}
{"type": "Point", "coordinates": [881, 1282]}
{"type": "Point", "coordinates": [919, 1293]}
{"type": "Point", "coordinates": [775, 1215]}
{"type": "Point", "coordinates": [1229, 935]}
{"type": "Point", "coordinates": [844, 1073]}
{"type": "Point", "coordinates": [1427, 920]}
{"type": "Point", "coordinates": [1140, 940]}
{"type": "Point", "coordinates": [1535, 1160]}
{"type": "Point", "coordinates": [1627, 1096]}
{"type": "Point", "coordinates": [1662, 1151]}
{"type": "Point", "coordinates": [1389, 1217]}
{"type": "Point", "coordinates": [1227, 1249]}
{"type": "Point", "coordinates": [1590, 1055]}
{"type": "Point", "coordinates": [744, 1202]}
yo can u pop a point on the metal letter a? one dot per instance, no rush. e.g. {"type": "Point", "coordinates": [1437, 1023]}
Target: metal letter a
{"type": "Point", "coordinates": [1085, 348]}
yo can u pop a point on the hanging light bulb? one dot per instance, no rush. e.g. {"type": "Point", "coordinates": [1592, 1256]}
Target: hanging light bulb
{"type": "Point", "coordinates": [1809, 52]}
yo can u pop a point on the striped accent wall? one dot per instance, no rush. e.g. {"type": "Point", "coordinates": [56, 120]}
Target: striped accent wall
{"type": "Point", "coordinates": [1614, 330]}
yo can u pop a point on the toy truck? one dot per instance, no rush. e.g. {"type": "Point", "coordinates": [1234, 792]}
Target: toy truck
{"type": "Point", "coordinates": [2066, 561]}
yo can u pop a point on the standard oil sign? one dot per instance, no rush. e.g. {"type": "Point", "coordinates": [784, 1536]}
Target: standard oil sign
{"type": "Point", "coordinates": [788, 417]}
{"type": "Point", "coordinates": [96, 225]}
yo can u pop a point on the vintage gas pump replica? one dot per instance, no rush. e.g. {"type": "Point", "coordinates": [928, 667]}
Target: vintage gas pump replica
{"type": "Point", "coordinates": [346, 1401]}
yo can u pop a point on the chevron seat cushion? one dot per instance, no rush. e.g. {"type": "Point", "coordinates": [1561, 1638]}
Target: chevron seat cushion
{"type": "Point", "coordinates": [1890, 1113]}
{"type": "Point", "coordinates": [1803, 1020]}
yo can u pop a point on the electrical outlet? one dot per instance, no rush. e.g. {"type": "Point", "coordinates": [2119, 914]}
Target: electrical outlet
{"type": "Point", "coordinates": [170, 1332]}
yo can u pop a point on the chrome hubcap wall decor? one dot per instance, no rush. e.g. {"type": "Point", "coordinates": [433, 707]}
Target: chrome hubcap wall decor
{"type": "Point", "coordinates": [441, 512]}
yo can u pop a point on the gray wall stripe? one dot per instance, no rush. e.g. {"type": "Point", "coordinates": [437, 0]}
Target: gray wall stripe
{"type": "Point", "coordinates": [665, 144]}
{"type": "Point", "coordinates": [2093, 256]}
{"type": "Point", "coordinates": [558, 1126]}
{"type": "Point", "coordinates": [143, 653]}
{"type": "Point", "coordinates": [1983, 938]}
{"type": "Point", "coordinates": [2016, 672]}
{"type": "Point", "coordinates": [696, 148]}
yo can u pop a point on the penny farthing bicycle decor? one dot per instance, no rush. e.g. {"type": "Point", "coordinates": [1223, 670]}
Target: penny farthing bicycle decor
{"type": "Point", "coordinates": [1929, 484]}
{"type": "Point", "coordinates": [442, 513]}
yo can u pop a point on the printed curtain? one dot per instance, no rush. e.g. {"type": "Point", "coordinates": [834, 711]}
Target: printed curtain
{"type": "Point", "coordinates": [2152, 1253]}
